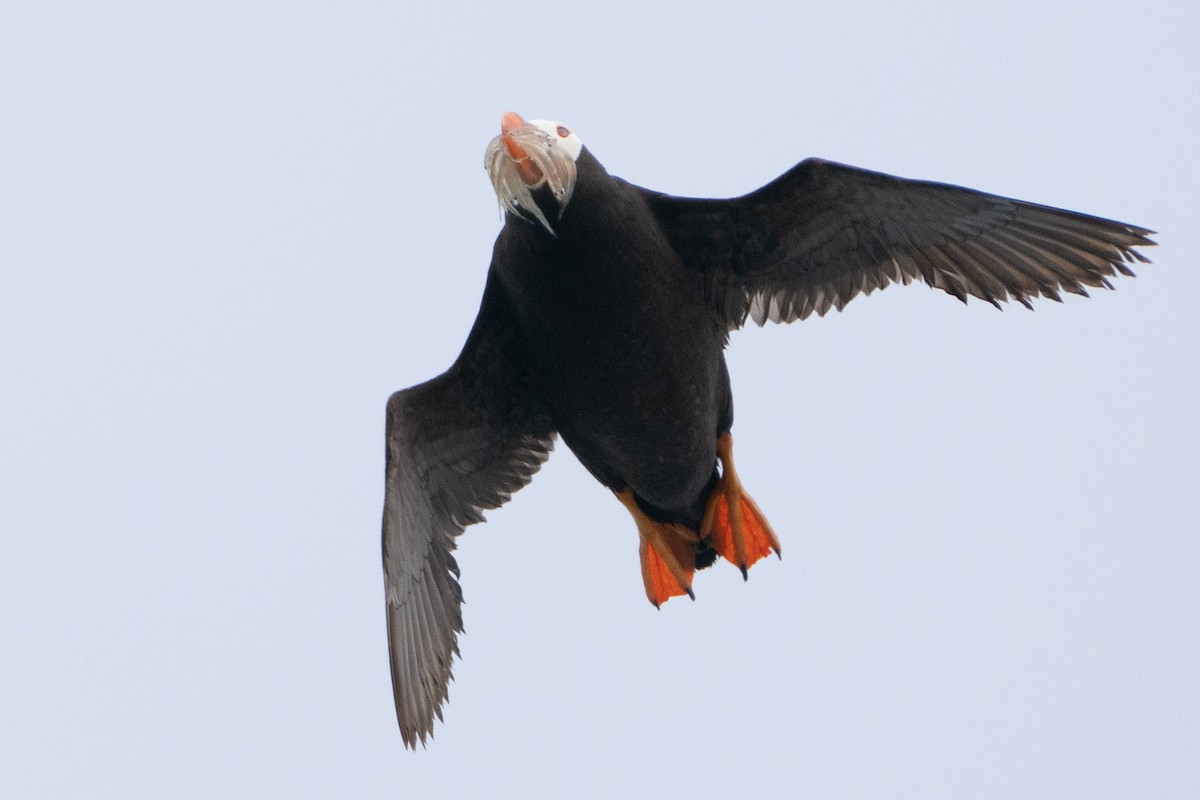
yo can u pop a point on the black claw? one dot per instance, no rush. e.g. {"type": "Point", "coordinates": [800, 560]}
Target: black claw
{"type": "Point", "coordinates": [745, 573]}
{"type": "Point", "coordinates": [691, 594]}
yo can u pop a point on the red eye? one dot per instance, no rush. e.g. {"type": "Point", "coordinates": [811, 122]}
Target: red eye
{"type": "Point", "coordinates": [563, 132]}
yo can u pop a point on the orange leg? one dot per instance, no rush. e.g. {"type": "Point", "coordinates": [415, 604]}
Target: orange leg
{"type": "Point", "coordinates": [739, 530]}
{"type": "Point", "coordinates": [667, 552]}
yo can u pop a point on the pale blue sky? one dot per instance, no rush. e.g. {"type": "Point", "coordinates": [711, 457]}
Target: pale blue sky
{"type": "Point", "coordinates": [228, 231]}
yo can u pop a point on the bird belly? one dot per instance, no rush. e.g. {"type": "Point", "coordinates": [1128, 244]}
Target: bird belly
{"type": "Point", "coordinates": [644, 412]}
{"type": "Point", "coordinates": [626, 353]}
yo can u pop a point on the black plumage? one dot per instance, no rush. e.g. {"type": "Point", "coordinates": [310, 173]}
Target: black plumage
{"type": "Point", "coordinates": [604, 318]}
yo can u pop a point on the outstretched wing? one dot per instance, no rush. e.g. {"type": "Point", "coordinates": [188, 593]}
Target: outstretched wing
{"type": "Point", "coordinates": [456, 445]}
{"type": "Point", "coordinates": [822, 233]}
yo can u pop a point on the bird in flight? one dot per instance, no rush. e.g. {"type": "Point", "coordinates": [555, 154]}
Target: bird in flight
{"type": "Point", "coordinates": [604, 318]}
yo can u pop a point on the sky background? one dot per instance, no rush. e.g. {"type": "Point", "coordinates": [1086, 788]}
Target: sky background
{"type": "Point", "coordinates": [229, 230]}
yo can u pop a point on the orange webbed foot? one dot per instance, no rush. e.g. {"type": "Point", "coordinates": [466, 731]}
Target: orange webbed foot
{"type": "Point", "coordinates": [739, 530]}
{"type": "Point", "coordinates": [667, 552]}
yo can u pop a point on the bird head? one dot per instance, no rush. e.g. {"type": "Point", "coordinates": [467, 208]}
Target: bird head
{"type": "Point", "coordinates": [528, 157]}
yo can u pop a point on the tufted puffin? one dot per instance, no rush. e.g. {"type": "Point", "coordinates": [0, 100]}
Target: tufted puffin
{"type": "Point", "coordinates": [604, 318]}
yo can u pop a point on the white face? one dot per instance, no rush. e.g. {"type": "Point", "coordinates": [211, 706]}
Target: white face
{"type": "Point", "coordinates": [552, 149]}
{"type": "Point", "coordinates": [563, 136]}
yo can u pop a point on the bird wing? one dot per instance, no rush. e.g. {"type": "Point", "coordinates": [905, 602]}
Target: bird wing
{"type": "Point", "coordinates": [822, 233]}
{"type": "Point", "coordinates": [456, 445]}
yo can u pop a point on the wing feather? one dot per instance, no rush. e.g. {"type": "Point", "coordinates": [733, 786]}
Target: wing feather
{"type": "Point", "coordinates": [824, 233]}
{"type": "Point", "coordinates": [457, 445]}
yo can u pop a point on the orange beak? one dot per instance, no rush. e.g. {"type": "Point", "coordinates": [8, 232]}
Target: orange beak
{"type": "Point", "coordinates": [530, 172]}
